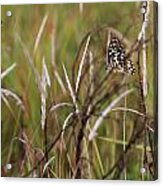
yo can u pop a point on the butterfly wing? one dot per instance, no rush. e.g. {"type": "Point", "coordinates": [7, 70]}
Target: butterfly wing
{"type": "Point", "coordinates": [117, 59]}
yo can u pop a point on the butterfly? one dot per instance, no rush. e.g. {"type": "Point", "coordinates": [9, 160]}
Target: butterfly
{"type": "Point", "coordinates": [117, 59]}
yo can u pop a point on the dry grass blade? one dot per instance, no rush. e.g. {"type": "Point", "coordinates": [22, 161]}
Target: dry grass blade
{"type": "Point", "coordinates": [128, 110]}
{"type": "Point", "coordinates": [48, 163]}
{"type": "Point", "coordinates": [8, 106]}
{"type": "Point", "coordinates": [91, 72]}
{"type": "Point", "coordinates": [54, 107]}
{"type": "Point", "coordinates": [66, 121]}
{"type": "Point", "coordinates": [21, 140]}
{"type": "Point", "coordinates": [70, 88]}
{"type": "Point", "coordinates": [53, 62]}
{"type": "Point", "coordinates": [91, 78]}
{"type": "Point", "coordinates": [31, 64]}
{"type": "Point", "coordinates": [12, 146]}
{"type": "Point", "coordinates": [37, 41]}
{"type": "Point", "coordinates": [82, 64]}
{"type": "Point", "coordinates": [59, 79]}
{"type": "Point", "coordinates": [99, 158]}
{"type": "Point", "coordinates": [119, 142]}
{"type": "Point", "coordinates": [124, 131]}
{"type": "Point", "coordinates": [8, 70]}
{"type": "Point", "coordinates": [53, 46]}
{"type": "Point", "coordinates": [45, 73]}
{"type": "Point", "coordinates": [7, 93]}
{"type": "Point", "coordinates": [105, 112]}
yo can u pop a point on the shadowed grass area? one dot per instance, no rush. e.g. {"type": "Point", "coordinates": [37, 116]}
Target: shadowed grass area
{"type": "Point", "coordinates": [61, 80]}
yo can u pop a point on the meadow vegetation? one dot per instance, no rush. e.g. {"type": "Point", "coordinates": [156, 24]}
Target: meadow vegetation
{"type": "Point", "coordinates": [63, 115]}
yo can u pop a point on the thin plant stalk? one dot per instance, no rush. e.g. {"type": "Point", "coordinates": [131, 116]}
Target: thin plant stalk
{"type": "Point", "coordinates": [8, 70]}
{"type": "Point", "coordinates": [105, 112]}
{"type": "Point", "coordinates": [53, 60]}
{"type": "Point", "coordinates": [70, 89]}
{"type": "Point", "coordinates": [121, 142]}
{"type": "Point", "coordinates": [82, 64]}
{"type": "Point", "coordinates": [143, 86]}
{"type": "Point", "coordinates": [56, 106]}
{"type": "Point", "coordinates": [40, 32]}
{"type": "Point", "coordinates": [124, 136]}
{"type": "Point", "coordinates": [142, 36]}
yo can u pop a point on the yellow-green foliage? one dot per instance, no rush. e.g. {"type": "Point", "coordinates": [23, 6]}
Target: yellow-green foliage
{"type": "Point", "coordinates": [67, 25]}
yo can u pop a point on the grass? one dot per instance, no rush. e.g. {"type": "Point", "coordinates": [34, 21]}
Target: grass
{"type": "Point", "coordinates": [63, 114]}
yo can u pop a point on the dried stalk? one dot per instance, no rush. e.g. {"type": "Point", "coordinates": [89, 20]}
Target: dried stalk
{"type": "Point", "coordinates": [124, 135]}
{"type": "Point", "coordinates": [31, 63]}
{"type": "Point", "coordinates": [8, 70]}
{"type": "Point", "coordinates": [53, 62]}
{"type": "Point", "coordinates": [142, 37]}
{"type": "Point", "coordinates": [55, 107]}
{"type": "Point", "coordinates": [105, 112]}
{"type": "Point", "coordinates": [82, 64]}
{"type": "Point", "coordinates": [45, 81]}
{"type": "Point", "coordinates": [142, 72]}
{"type": "Point", "coordinates": [125, 109]}
{"type": "Point", "coordinates": [118, 165]}
{"type": "Point", "coordinates": [8, 93]}
{"type": "Point", "coordinates": [40, 32]}
{"type": "Point", "coordinates": [70, 89]}
{"type": "Point", "coordinates": [49, 148]}
{"type": "Point", "coordinates": [66, 121]}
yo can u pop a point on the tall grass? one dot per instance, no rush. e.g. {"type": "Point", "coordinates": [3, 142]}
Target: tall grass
{"type": "Point", "coordinates": [76, 119]}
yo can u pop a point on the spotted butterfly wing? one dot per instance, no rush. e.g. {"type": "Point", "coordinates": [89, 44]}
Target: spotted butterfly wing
{"type": "Point", "coordinates": [117, 59]}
